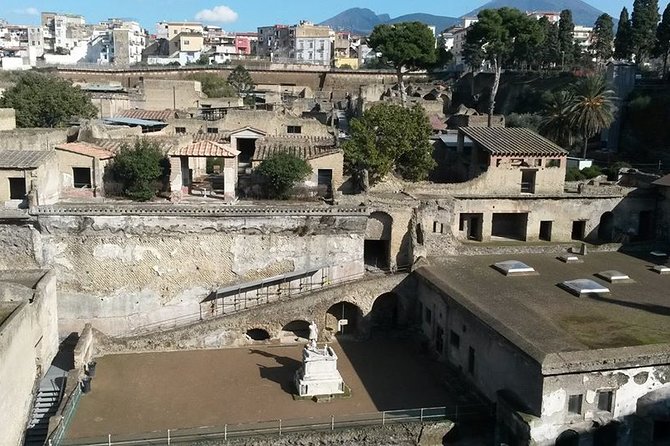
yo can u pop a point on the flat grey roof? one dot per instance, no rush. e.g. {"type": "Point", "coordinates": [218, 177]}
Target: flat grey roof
{"type": "Point", "coordinates": [24, 159]}
{"type": "Point", "coordinates": [563, 332]}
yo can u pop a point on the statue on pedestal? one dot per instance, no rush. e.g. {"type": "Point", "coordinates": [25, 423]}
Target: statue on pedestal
{"type": "Point", "coordinates": [318, 375]}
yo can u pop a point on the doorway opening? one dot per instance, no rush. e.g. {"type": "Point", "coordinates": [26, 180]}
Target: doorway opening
{"type": "Point", "coordinates": [510, 226]}
{"type": "Point", "coordinates": [578, 230]}
{"type": "Point", "coordinates": [545, 230]}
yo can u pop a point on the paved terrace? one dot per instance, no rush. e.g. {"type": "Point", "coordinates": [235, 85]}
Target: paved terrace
{"type": "Point", "coordinates": [628, 326]}
{"type": "Point", "coordinates": [138, 393]}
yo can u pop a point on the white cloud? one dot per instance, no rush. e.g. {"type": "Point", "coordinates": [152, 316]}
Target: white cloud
{"type": "Point", "coordinates": [218, 14]}
{"type": "Point", "coordinates": [27, 11]}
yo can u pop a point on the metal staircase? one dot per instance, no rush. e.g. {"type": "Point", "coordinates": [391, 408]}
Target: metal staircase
{"type": "Point", "coordinates": [45, 406]}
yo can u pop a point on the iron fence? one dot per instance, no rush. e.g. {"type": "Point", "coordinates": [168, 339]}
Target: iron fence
{"type": "Point", "coordinates": [285, 426]}
{"type": "Point", "coordinates": [69, 410]}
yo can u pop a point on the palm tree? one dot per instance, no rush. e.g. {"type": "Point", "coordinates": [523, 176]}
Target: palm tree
{"type": "Point", "coordinates": [593, 107]}
{"type": "Point", "coordinates": [557, 121]}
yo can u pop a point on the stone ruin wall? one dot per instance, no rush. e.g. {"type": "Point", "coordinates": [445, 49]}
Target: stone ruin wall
{"type": "Point", "coordinates": [124, 272]}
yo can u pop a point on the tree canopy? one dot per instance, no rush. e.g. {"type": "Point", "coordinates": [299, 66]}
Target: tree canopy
{"type": "Point", "coordinates": [603, 37]}
{"type": "Point", "coordinates": [566, 29]}
{"type": "Point", "coordinates": [405, 46]}
{"type": "Point", "coordinates": [281, 172]}
{"type": "Point", "coordinates": [43, 100]}
{"type": "Point", "coordinates": [139, 169]}
{"type": "Point", "coordinates": [623, 42]}
{"type": "Point", "coordinates": [390, 137]}
{"type": "Point", "coordinates": [662, 48]}
{"type": "Point", "coordinates": [643, 25]}
{"type": "Point", "coordinates": [501, 37]}
{"type": "Point", "coordinates": [214, 86]}
{"type": "Point", "coordinates": [593, 107]}
{"type": "Point", "coordinates": [241, 81]}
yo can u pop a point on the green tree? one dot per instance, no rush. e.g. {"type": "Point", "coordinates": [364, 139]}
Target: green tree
{"type": "Point", "coordinates": [390, 137]}
{"type": "Point", "coordinates": [43, 100]}
{"type": "Point", "coordinates": [405, 46]}
{"type": "Point", "coordinates": [281, 172]}
{"type": "Point", "coordinates": [662, 48]}
{"type": "Point", "coordinates": [550, 50]}
{"type": "Point", "coordinates": [500, 34]}
{"type": "Point", "coordinates": [643, 25]}
{"type": "Point", "coordinates": [139, 169]}
{"type": "Point", "coordinates": [603, 38]}
{"type": "Point", "coordinates": [566, 30]}
{"type": "Point", "coordinates": [241, 81]}
{"type": "Point", "coordinates": [202, 60]}
{"type": "Point", "coordinates": [593, 108]}
{"type": "Point", "coordinates": [557, 118]}
{"type": "Point", "coordinates": [213, 85]}
{"type": "Point", "coordinates": [623, 42]}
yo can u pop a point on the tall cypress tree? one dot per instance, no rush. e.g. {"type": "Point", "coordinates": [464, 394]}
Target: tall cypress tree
{"type": "Point", "coordinates": [551, 47]}
{"type": "Point", "coordinates": [662, 49]}
{"type": "Point", "coordinates": [644, 21]}
{"type": "Point", "coordinates": [566, 29]}
{"type": "Point", "coordinates": [603, 37]}
{"type": "Point", "coordinates": [623, 44]}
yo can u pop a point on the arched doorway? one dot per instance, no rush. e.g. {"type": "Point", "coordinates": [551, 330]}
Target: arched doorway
{"type": "Point", "coordinates": [377, 248]}
{"type": "Point", "coordinates": [568, 438]}
{"type": "Point", "coordinates": [384, 314]}
{"type": "Point", "coordinates": [343, 318]}
{"type": "Point", "coordinates": [296, 331]}
{"type": "Point", "coordinates": [258, 334]}
{"type": "Point", "coordinates": [606, 227]}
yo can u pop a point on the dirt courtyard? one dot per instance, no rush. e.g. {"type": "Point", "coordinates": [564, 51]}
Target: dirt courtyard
{"type": "Point", "coordinates": [149, 392]}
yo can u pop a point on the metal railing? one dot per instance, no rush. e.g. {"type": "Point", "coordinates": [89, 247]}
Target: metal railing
{"type": "Point", "coordinates": [285, 426]}
{"type": "Point", "coordinates": [57, 436]}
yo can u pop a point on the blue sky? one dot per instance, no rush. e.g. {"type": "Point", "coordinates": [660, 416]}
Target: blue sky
{"type": "Point", "coordinates": [246, 15]}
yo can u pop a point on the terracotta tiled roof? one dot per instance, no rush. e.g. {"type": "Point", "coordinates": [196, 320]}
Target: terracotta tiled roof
{"type": "Point", "coordinates": [216, 137]}
{"type": "Point", "coordinates": [24, 159]}
{"type": "Point", "coordinates": [512, 141]}
{"type": "Point", "coordinates": [87, 149]}
{"type": "Point", "coordinates": [205, 148]}
{"type": "Point", "coordinates": [165, 143]}
{"type": "Point", "coordinates": [150, 115]}
{"type": "Point", "coordinates": [302, 147]}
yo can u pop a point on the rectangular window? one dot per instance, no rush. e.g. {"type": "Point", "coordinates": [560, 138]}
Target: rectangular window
{"type": "Point", "coordinates": [554, 163]}
{"type": "Point", "coordinates": [428, 315]}
{"type": "Point", "coordinates": [575, 404]}
{"type": "Point", "coordinates": [605, 398]}
{"type": "Point", "coordinates": [212, 130]}
{"type": "Point", "coordinates": [180, 130]}
{"type": "Point", "coordinates": [454, 340]}
{"type": "Point", "coordinates": [81, 177]}
{"type": "Point", "coordinates": [538, 162]}
{"type": "Point", "coordinates": [528, 181]}
{"type": "Point", "coordinates": [294, 129]}
{"type": "Point", "coordinates": [471, 361]}
{"type": "Point", "coordinates": [17, 188]}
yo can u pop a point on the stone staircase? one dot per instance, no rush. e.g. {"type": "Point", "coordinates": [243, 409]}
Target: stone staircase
{"type": "Point", "coordinates": [45, 406]}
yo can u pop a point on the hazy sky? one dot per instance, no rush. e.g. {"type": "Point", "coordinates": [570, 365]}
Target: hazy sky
{"type": "Point", "coordinates": [241, 15]}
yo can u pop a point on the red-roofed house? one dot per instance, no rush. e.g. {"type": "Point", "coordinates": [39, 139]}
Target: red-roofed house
{"type": "Point", "coordinates": [82, 167]}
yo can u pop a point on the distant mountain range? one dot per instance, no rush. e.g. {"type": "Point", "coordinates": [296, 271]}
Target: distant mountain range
{"type": "Point", "coordinates": [363, 20]}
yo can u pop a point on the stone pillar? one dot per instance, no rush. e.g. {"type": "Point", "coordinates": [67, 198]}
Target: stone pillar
{"type": "Point", "coordinates": [176, 179]}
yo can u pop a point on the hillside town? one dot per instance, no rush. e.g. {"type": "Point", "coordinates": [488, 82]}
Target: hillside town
{"type": "Point", "coordinates": [421, 230]}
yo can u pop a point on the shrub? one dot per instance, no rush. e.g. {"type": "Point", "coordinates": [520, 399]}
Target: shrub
{"type": "Point", "coordinates": [281, 172]}
{"type": "Point", "coordinates": [591, 172]}
{"type": "Point", "coordinates": [573, 174]}
{"type": "Point", "coordinates": [139, 169]}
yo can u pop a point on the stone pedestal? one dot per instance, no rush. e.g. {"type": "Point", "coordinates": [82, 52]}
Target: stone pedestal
{"type": "Point", "coordinates": [318, 375]}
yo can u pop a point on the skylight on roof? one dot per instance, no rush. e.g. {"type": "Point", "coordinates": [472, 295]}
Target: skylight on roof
{"type": "Point", "coordinates": [614, 276]}
{"type": "Point", "coordinates": [514, 268]}
{"type": "Point", "coordinates": [570, 258]}
{"type": "Point", "coordinates": [661, 269]}
{"type": "Point", "coordinates": [583, 287]}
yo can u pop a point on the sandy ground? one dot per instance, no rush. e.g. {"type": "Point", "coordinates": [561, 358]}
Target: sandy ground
{"type": "Point", "coordinates": [159, 391]}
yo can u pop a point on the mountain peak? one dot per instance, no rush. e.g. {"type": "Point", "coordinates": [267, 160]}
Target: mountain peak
{"type": "Point", "coordinates": [363, 20]}
{"type": "Point", "coordinates": [582, 12]}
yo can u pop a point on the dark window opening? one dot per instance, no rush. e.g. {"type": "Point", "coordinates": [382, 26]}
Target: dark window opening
{"type": "Point", "coordinates": [180, 130]}
{"type": "Point", "coordinates": [471, 224]}
{"type": "Point", "coordinates": [17, 188]}
{"type": "Point", "coordinates": [81, 177]}
{"type": "Point", "coordinates": [545, 230]}
{"type": "Point", "coordinates": [439, 340]}
{"type": "Point", "coordinates": [246, 147]}
{"type": "Point", "coordinates": [510, 226]}
{"type": "Point", "coordinates": [428, 315]}
{"type": "Point", "coordinates": [471, 360]}
{"type": "Point", "coordinates": [342, 318]}
{"type": "Point", "coordinates": [258, 334]}
{"type": "Point", "coordinates": [528, 181]}
{"type": "Point", "coordinates": [294, 129]}
{"type": "Point", "coordinates": [575, 404]}
{"type": "Point", "coordinates": [376, 253]}
{"type": "Point", "coordinates": [454, 340]}
{"type": "Point", "coordinates": [578, 230]}
{"type": "Point", "coordinates": [605, 400]}
{"type": "Point", "coordinates": [554, 163]}
{"type": "Point", "coordinates": [325, 182]}
{"type": "Point", "coordinates": [298, 329]}
{"type": "Point", "coordinates": [212, 130]}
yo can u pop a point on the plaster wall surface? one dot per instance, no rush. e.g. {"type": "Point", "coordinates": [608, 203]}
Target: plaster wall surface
{"type": "Point", "coordinates": [270, 122]}
{"type": "Point", "coordinates": [7, 119]}
{"type": "Point", "coordinates": [32, 139]}
{"type": "Point", "coordinates": [163, 94]}
{"type": "Point", "coordinates": [122, 273]}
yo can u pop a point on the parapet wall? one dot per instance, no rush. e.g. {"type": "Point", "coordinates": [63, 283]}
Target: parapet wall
{"type": "Point", "coordinates": [122, 268]}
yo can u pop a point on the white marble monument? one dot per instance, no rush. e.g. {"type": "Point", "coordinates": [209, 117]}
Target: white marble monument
{"type": "Point", "coordinates": [318, 375]}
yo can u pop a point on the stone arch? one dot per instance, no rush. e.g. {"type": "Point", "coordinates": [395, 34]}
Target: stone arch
{"type": "Point", "coordinates": [339, 311]}
{"type": "Point", "coordinates": [385, 312]}
{"type": "Point", "coordinates": [568, 438]}
{"type": "Point", "coordinates": [606, 227]}
{"type": "Point", "coordinates": [378, 234]}
{"type": "Point", "coordinates": [297, 330]}
{"type": "Point", "coordinates": [258, 334]}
